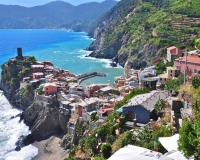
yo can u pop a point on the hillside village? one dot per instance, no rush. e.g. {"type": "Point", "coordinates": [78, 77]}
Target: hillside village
{"type": "Point", "coordinates": [137, 99]}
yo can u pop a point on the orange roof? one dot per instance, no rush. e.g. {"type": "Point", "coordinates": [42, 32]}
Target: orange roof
{"type": "Point", "coordinates": [193, 59]}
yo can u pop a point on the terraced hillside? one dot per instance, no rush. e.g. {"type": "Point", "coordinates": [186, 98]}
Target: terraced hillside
{"type": "Point", "coordinates": [144, 30]}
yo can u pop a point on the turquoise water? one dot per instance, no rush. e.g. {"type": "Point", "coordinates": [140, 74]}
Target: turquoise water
{"type": "Point", "coordinates": [65, 49]}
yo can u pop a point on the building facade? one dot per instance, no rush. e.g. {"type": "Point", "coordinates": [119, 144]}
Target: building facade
{"type": "Point", "coordinates": [172, 52]}
{"type": "Point", "coordinates": [188, 64]}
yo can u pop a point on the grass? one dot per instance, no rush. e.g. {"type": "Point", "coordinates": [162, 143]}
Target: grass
{"type": "Point", "coordinates": [187, 88]}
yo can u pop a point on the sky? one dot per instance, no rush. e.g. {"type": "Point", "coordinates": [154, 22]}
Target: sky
{"type": "Point", "coordinates": [30, 3]}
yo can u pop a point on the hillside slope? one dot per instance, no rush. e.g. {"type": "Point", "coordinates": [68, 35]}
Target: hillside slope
{"type": "Point", "coordinates": [57, 14]}
{"type": "Point", "coordinates": [144, 29]}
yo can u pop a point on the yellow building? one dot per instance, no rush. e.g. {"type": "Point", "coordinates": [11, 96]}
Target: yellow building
{"type": "Point", "coordinates": [171, 73]}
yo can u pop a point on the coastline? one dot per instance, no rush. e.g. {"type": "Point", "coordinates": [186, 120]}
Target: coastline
{"type": "Point", "coordinates": [50, 149]}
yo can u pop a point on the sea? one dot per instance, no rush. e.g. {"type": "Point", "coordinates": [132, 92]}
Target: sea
{"type": "Point", "coordinates": [66, 50]}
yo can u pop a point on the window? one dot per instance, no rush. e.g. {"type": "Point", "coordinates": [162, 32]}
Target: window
{"type": "Point", "coordinates": [46, 88]}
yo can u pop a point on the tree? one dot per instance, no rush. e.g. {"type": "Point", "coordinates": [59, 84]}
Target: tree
{"type": "Point", "coordinates": [197, 43]}
{"type": "Point", "coordinates": [92, 143]}
{"type": "Point", "coordinates": [159, 105]}
{"type": "Point", "coordinates": [171, 84]}
{"type": "Point", "coordinates": [189, 140]}
{"type": "Point", "coordinates": [94, 117]}
{"type": "Point", "coordinates": [196, 81]}
{"type": "Point", "coordinates": [106, 150]}
{"type": "Point", "coordinates": [82, 143]}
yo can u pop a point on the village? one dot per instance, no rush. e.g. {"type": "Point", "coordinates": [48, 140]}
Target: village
{"type": "Point", "coordinates": [93, 103]}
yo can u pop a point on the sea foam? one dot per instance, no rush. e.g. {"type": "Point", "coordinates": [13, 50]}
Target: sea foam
{"type": "Point", "coordinates": [10, 131]}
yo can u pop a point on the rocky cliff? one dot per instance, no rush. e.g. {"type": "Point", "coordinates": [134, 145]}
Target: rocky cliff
{"type": "Point", "coordinates": [41, 113]}
{"type": "Point", "coordinates": [140, 30]}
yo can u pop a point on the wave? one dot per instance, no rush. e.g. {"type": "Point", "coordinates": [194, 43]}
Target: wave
{"type": "Point", "coordinates": [26, 153]}
{"type": "Point", "coordinates": [88, 38]}
{"type": "Point", "coordinates": [10, 131]}
{"type": "Point", "coordinates": [56, 51]}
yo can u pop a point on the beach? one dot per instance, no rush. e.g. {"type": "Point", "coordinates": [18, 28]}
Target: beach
{"type": "Point", "coordinates": [50, 149]}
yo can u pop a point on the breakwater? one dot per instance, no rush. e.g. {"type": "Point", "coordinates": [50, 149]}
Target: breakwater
{"type": "Point", "coordinates": [85, 76]}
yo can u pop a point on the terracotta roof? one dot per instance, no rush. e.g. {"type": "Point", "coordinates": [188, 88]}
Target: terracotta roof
{"type": "Point", "coordinates": [193, 59]}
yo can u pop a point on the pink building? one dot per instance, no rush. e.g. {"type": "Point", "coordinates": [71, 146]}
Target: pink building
{"type": "Point", "coordinates": [50, 88]}
{"type": "Point", "coordinates": [192, 66]}
{"type": "Point", "coordinates": [90, 89]}
{"type": "Point", "coordinates": [38, 75]}
{"type": "Point", "coordinates": [80, 111]}
{"type": "Point", "coordinates": [37, 68]}
{"type": "Point", "coordinates": [172, 52]}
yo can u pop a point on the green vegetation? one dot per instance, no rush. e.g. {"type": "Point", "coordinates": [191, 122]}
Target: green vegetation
{"type": "Point", "coordinates": [94, 117]}
{"type": "Point", "coordinates": [106, 150]}
{"type": "Point", "coordinates": [19, 62]}
{"type": "Point", "coordinates": [197, 42]}
{"type": "Point", "coordinates": [159, 106]}
{"type": "Point", "coordinates": [196, 81]}
{"type": "Point", "coordinates": [32, 59]}
{"type": "Point", "coordinates": [161, 66]}
{"type": "Point", "coordinates": [40, 91]}
{"type": "Point", "coordinates": [174, 84]}
{"type": "Point", "coordinates": [160, 23]}
{"type": "Point", "coordinates": [12, 81]}
{"type": "Point", "coordinates": [189, 142]}
{"type": "Point", "coordinates": [23, 90]}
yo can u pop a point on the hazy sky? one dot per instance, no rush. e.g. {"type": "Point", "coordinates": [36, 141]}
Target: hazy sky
{"type": "Point", "coordinates": [30, 3]}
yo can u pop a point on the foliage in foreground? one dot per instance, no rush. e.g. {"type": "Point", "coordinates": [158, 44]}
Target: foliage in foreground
{"type": "Point", "coordinates": [174, 84]}
{"type": "Point", "coordinates": [196, 81]}
{"type": "Point", "coordinates": [189, 141]}
{"type": "Point", "coordinates": [106, 150]}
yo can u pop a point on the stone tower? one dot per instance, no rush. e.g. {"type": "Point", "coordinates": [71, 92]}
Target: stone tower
{"type": "Point", "coordinates": [19, 53]}
{"type": "Point", "coordinates": [127, 69]}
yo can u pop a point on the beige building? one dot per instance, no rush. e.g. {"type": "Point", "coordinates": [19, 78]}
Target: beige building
{"type": "Point", "coordinates": [171, 73]}
{"type": "Point", "coordinates": [127, 70]}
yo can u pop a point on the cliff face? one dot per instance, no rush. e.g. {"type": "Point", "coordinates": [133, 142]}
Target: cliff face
{"type": "Point", "coordinates": [140, 31]}
{"type": "Point", "coordinates": [41, 113]}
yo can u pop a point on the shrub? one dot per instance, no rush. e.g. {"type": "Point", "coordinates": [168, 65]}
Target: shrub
{"type": "Point", "coordinates": [157, 60]}
{"type": "Point", "coordinates": [32, 59]}
{"type": "Point", "coordinates": [106, 150]}
{"type": "Point", "coordinates": [196, 81]}
{"type": "Point", "coordinates": [12, 81]}
{"type": "Point", "coordinates": [40, 91]}
{"type": "Point", "coordinates": [23, 91]}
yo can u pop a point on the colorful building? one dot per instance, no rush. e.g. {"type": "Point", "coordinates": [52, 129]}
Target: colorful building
{"type": "Point", "coordinates": [141, 106]}
{"type": "Point", "coordinates": [38, 75]}
{"type": "Point", "coordinates": [172, 52]}
{"type": "Point", "coordinates": [188, 64]}
{"type": "Point", "coordinates": [37, 68]}
{"type": "Point", "coordinates": [90, 89]}
{"type": "Point", "coordinates": [172, 72]}
{"type": "Point", "coordinates": [50, 88]}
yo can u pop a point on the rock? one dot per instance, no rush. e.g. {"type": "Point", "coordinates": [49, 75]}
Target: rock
{"type": "Point", "coordinates": [18, 148]}
{"type": "Point", "coordinates": [12, 117]}
{"type": "Point", "coordinates": [28, 140]}
{"type": "Point", "coordinates": [113, 64]}
{"type": "Point", "coordinates": [21, 116]}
